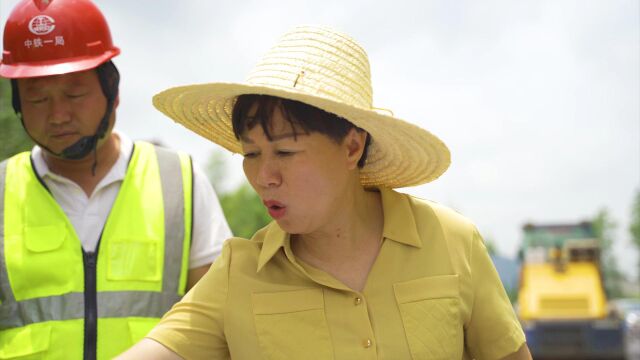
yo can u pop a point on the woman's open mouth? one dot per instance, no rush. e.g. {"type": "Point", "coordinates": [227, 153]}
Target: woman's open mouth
{"type": "Point", "coordinates": [276, 209]}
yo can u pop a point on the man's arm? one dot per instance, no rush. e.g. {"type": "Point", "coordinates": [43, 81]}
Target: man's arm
{"type": "Point", "coordinates": [195, 275]}
{"type": "Point", "coordinates": [210, 228]}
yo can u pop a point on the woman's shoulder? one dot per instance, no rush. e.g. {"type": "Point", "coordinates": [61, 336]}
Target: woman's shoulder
{"type": "Point", "coordinates": [441, 224]}
{"type": "Point", "coordinates": [431, 211]}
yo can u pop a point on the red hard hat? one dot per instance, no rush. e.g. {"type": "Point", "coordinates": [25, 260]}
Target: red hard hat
{"type": "Point", "coordinates": [52, 37]}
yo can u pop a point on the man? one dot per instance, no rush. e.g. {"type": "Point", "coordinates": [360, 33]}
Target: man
{"type": "Point", "coordinates": [98, 236]}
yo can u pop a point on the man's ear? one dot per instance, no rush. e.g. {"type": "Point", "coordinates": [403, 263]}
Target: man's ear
{"type": "Point", "coordinates": [354, 143]}
{"type": "Point", "coordinates": [116, 102]}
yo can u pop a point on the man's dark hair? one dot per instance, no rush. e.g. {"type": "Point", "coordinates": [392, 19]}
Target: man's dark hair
{"type": "Point", "coordinates": [299, 115]}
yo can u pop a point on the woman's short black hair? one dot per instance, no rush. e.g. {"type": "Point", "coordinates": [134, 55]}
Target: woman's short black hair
{"type": "Point", "coordinates": [300, 115]}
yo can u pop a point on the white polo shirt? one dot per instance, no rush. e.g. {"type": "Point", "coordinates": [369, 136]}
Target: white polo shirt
{"type": "Point", "coordinates": [89, 214]}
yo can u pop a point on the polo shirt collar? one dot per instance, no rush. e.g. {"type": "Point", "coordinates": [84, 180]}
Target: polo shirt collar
{"type": "Point", "coordinates": [399, 225]}
{"type": "Point", "coordinates": [116, 173]}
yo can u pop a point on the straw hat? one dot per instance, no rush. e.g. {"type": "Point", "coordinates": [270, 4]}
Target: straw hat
{"type": "Point", "coordinates": [329, 70]}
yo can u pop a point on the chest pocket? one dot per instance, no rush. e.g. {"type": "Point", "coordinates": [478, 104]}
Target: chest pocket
{"type": "Point", "coordinates": [292, 325]}
{"type": "Point", "coordinates": [131, 260]}
{"type": "Point", "coordinates": [431, 317]}
{"type": "Point", "coordinates": [49, 263]}
{"type": "Point", "coordinates": [25, 343]}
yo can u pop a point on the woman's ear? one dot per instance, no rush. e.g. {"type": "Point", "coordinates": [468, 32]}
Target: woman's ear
{"type": "Point", "coordinates": [354, 143]}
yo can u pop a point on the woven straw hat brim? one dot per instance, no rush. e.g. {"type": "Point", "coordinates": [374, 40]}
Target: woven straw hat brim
{"type": "Point", "coordinates": [401, 154]}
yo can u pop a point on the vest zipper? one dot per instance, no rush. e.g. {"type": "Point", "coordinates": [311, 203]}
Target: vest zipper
{"type": "Point", "coordinates": [90, 305]}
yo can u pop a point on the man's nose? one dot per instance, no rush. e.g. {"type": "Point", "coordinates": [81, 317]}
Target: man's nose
{"type": "Point", "coordinates": [59, 111]}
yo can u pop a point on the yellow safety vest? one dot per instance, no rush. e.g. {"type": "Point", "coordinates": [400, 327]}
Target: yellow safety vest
{"type": "Point", "coordinates": [60, 302]}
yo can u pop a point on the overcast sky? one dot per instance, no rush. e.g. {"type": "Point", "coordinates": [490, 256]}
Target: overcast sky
{"type": "Point", "coordinates": [537, 100]}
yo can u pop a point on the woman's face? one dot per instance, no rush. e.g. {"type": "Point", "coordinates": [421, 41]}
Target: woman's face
{"type": "Point", "coordinates": [301, 179]}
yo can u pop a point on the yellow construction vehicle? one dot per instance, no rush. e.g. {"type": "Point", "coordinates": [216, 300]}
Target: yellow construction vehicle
{"type": "Point", "coordinates": [561, 299]}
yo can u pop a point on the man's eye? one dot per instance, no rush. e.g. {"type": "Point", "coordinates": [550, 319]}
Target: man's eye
{"type": "Point", "coordinates": [250, 155]}
{"type": "Point", "coordinates": [37, 100]}
{"type": "Point", "coordinates": [75, 96]}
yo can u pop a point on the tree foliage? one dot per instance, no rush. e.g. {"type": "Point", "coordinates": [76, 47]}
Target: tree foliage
{"type": "Point", "coordinates": [242, 207]}
{"type": "Point", "coordinates": [604, 227]}
{"type": "Point", "coordinates": [244, 211]}
{"type": "Point", "coordinates": [13, 138]}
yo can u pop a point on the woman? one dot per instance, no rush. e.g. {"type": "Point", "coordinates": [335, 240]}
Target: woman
{"type": "Point", "coordinates": [349, 269]}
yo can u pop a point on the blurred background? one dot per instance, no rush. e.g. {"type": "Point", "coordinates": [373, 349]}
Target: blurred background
{"type": "Point", "coordinates": [539, 102]}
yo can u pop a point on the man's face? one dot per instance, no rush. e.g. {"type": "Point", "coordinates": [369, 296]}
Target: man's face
{"type": "Point", "coordinates": [58, 110]}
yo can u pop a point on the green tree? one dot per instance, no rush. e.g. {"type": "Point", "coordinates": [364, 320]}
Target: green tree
{"type": "Point", "coordinates": [244, 211]}
{"type": "Point", "coordinates": [603, 227]}
{"type": "Point", "coordinates": [634, 227]}
{"type": "Point", "coordinates": [242, 207]}
{"type": "Point", "coordinates": [13, 138]}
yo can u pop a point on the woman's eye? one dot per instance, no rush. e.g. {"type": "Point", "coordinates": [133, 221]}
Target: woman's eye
{"type": "Point", "coordinates": [284, 153]}
{"type": "Point", "coordinates": [250, 155]}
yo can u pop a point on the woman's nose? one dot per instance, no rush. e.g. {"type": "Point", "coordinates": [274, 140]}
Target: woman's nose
{"type": "Point", "coordinates": [268, 174]}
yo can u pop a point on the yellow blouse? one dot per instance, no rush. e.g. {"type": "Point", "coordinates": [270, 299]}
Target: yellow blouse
{"type": "Point", "coordinates": [432, 293]}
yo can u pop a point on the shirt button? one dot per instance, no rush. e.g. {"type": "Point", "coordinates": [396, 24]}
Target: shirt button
{"type": "Point", "coordinates": [367, 343]}
{"type": "Point", "coordinates": [358, 301]}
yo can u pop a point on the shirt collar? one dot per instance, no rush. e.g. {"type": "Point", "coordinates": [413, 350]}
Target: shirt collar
{"type": "Point", "coordinates": [116, 173]}
{"type": "Point", "coordinates": [399, 220]}
{"type": "Point", "coordinates": [274, 238]}
{"type": "Point", "coordinates": [399, 226]}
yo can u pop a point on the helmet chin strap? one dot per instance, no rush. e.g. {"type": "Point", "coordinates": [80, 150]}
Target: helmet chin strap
{"type": "Point", "coordinates": [86, 144]}
{"type": "Point", "coordinates": [109, 80]}
{"type": "Point", "coordinates": [81, 148]}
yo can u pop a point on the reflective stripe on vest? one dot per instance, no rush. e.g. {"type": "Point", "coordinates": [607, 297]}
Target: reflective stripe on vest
{"type": "Point", "coordinates": [119, 295]}
{"type": "Point", "coordinates": [111, 304]}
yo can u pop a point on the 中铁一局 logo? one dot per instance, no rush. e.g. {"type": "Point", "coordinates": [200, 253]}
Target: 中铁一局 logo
{"type": "Point", "coordinates": [42, 25]}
